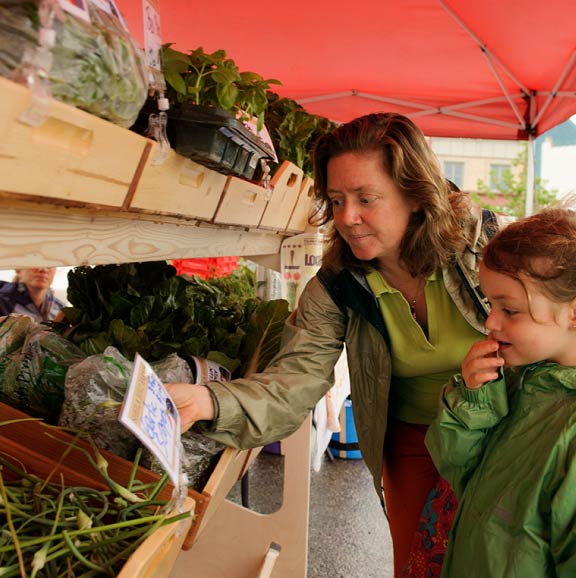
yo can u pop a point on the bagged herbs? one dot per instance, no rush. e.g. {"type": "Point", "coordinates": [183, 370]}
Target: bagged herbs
{"type": "Point", "coordinates": [96, 66]}
{"type": "Point", "coordinates": [33, 366]}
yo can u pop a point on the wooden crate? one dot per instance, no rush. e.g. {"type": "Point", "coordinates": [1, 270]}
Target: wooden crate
{"type": "Point", "coordinates": [156, 556]}
{"type": "Point", "coordinates": [37, 447]}
{"type": "Point", "coordinates": [299, 218]}
{"type": "Point", "coordinates": [285, 185]}
{"type": "Point", "coordinates": [30, 443]}
{"type": "Point", "coordinates": [178, 186]}
{"type": "Point", "coordinates": [242, 203]}
{"type": "Point", "coordinates": [61, 157]}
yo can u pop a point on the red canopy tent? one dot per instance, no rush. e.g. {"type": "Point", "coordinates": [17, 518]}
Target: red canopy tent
{"type": "Point", "coordinates": [500, 69]}
{"type": "Point", "coordinates": [503, 69]}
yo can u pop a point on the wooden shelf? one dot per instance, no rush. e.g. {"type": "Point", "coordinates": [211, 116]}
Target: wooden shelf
{"type": "Point", "coordinates": [77, 190]}
{"type": "Point", "coordinates": [43, 235]}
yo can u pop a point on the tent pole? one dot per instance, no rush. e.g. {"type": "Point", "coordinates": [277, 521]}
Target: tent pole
{"type": "Point", "coordinates": [530, 181]}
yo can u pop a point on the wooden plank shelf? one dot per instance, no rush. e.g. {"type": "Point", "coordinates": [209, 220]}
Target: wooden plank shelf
{"type": "Point", "coordinates": [75, 190]}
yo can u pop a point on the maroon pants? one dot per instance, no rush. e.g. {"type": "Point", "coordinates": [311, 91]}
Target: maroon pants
{"type": "Point", "coordinates": [408, 476]}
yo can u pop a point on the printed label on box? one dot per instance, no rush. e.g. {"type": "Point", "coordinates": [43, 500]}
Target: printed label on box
{"type": "Point", "coordinates": [149, 412]}
{"type": "Point", "coordinates": [301, 257]}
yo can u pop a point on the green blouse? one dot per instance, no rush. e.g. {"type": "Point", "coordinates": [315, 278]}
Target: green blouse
{"type": "Point", "coordinates": [422, 364]}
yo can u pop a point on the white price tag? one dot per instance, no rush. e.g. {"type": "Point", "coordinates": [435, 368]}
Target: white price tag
{"type": "Point", "coordinates": [152, 33]}
{"type": "Point", "coordinates": [149, 412]}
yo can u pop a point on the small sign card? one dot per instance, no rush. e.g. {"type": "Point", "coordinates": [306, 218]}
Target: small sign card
{"type": "Point", "coordinates": [150, 414]}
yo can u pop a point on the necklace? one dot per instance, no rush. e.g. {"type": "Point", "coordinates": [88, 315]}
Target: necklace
{"type": "Point", "coordinates": [412, 305]}
{"type": "Point", "coordinates": [412, 302]}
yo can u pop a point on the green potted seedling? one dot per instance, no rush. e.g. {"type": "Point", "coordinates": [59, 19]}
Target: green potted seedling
{"type": "Point", "coordinates": [210, 97]}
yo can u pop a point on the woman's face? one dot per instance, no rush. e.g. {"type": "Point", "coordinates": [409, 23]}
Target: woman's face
{"type": "Point", "coordinates": [370, 212]}
{"type": "Point", "coordinates": [37, 278]}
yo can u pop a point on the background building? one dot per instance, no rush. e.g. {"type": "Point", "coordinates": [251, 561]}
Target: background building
{"type": "Point", "coordinates": [466, 161]}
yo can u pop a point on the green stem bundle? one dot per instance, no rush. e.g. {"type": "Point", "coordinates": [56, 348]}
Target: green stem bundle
{"type": "Point", "coordinates": [50, 530]}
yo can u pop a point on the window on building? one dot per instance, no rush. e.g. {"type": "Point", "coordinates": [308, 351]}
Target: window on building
{"type": "Point", "coordinates": [454, 171]}
{"type": "Point", "coordinates": [497, 173]}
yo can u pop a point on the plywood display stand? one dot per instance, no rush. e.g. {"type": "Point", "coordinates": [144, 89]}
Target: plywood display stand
{"type": "Point", "coordinates": [77, 190]}
{"type": "Point", "coordinates": [236, 541]}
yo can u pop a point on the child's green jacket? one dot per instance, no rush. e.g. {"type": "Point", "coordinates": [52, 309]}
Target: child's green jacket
{"type": "Point", "coordinates": [509, 451]}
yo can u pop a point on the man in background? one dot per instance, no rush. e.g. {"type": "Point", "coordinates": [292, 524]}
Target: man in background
{"type": "Point", "coordinates": [30, 294]}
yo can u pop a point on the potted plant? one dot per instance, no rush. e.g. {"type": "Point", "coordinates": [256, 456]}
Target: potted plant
{"type": "Point", "coordinates": [210, 98]}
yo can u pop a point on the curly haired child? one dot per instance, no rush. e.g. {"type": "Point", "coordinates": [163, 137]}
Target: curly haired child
{"type": "Point", "coordinates": [505, 437]}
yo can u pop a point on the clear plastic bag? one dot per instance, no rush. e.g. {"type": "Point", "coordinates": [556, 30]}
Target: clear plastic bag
{"type": "Point", "coordinates": [34, 375]}
{"type": "Point", "coordinates": [99, 67]}
{"type": "Point", "coordinates": [96, 66]}
{"type": "Point", "coordinates": [199, 457]}
{"type": "Point", "coordinates": [103, 378]}
{"type": "Point", "coordinates": [90, 386]}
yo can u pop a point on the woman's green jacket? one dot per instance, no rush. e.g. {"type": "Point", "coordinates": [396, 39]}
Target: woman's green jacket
{"type": "Point", "coordinates": [335, 310]}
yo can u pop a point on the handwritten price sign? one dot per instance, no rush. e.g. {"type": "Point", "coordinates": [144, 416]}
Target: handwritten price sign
{"type": "Point", "coordinates": [149, 412]}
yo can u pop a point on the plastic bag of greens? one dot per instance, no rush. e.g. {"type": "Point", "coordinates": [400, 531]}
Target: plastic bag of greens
{"type": "Point", "coordinates": [13, 331]}
{"type": "Point", "coordinates": [99, 67]}
{"type": "Point", "coordinates": [199, 453]}
{"type": "Point", "coordinates": [199, 458]}
{"type": "Point", "coordinates": [89, 389]}
{"type": "Point", "coordinates": [18, 35]}
{"type": "Point", "coordinates": [34, 375]}
{"type": "Point", "coordinates": [96, 66]}
{"type": "Point", "coordinates": [95, 389]}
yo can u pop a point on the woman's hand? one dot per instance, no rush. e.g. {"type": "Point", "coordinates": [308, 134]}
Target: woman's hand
{"type": "Point", "coordinates": [481, 363]}
{"type": "Point", "coordinates": [193, 401]}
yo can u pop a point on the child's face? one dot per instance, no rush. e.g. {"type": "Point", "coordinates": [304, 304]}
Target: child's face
{"type": "Point", "coordinates": [528, 331]}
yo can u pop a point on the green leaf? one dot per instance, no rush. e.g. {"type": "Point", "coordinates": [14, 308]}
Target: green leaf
{"type": "Point", "coordinates": [175, 80]}
{"type": "Point", "coordinates": [263, 335]}
{"type": "Point", "coordinates": [227, 95]}
{"type": "Point", "coordinates": [140, 315]}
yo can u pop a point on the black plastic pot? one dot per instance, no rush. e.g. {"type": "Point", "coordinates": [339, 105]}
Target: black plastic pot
{"type": "Point", "coordinates": [212, 137]}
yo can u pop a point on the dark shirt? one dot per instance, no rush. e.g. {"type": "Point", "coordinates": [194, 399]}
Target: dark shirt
{"type": "Point", "coordinates": [14, 298]}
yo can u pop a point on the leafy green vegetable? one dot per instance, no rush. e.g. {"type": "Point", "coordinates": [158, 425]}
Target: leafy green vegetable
{"type": "Point", "coordinates": [263, 335]}
{"type": "Point", "coordinates": [294, 131]}
{"type": "Point", "coordinates": [213, 79]}
{"type": "Point", "coordinates": [147, 308]}
{"type": "Point", "coordinates": [96, 66]}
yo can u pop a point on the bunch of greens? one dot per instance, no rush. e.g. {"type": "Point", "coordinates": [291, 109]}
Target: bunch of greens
{"type": "Point", "coordinates": [146, 308]}
{"type": "Point", "coordinates": [61, 530]}
{"type": "Point", "coordinates": [18, 35]}
{"type": "Point", "coordinates": [294, 131]}
{"type": "Point", "coordinates": [99, 67]}
{"type": "Point", "coordinates": [96, 66]}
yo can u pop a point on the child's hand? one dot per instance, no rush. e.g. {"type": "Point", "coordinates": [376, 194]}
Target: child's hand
{"type": "Point", "coordinates": [481, 363]}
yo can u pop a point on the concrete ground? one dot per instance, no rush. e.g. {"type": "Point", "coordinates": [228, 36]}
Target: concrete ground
{"type": "Point", "coordinates": [348, 533]}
